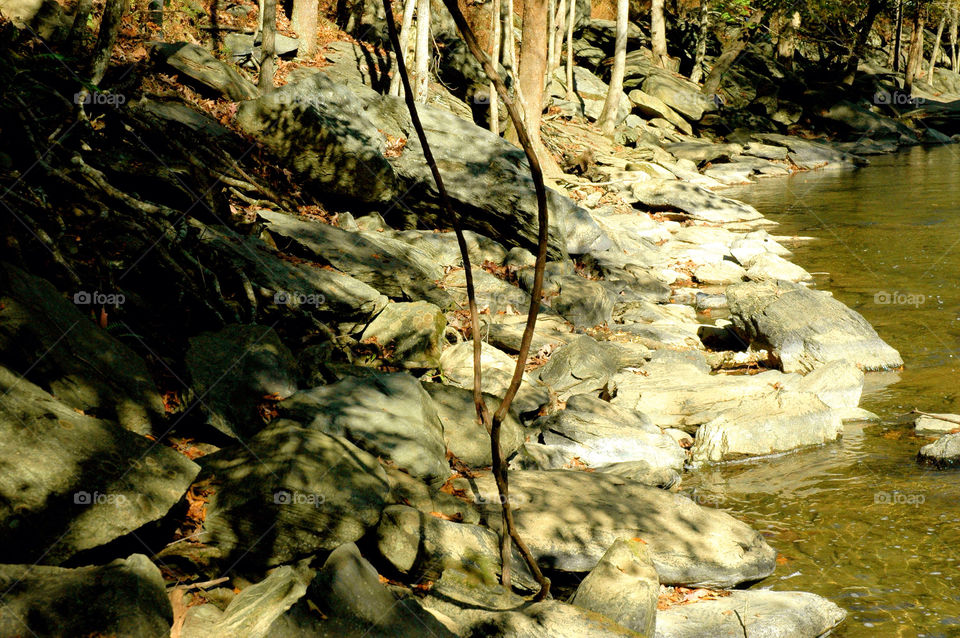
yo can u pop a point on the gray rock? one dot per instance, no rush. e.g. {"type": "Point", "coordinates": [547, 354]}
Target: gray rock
{"type": "Point", "coordinates": [505, 332]}
{"type": "Point", "coordinates": [680, 94]}
{"type": "Point", "coordinates": [395, 269]}
{"type": "Point", "coordinates": [318, 129]}
{"type": "Point", "coordinates": [838, 384]}
{"type": "Point", "coordinates": [591, 91]}
{"type": "Point", "coordinates": [407, 490]}
{"type": "Point", "coordinates": [809, 155]}
{"type": "Point", "coordinates": [623, 587]}
{"type": "Point", "coordinates": [730, 173]}
{"type": "Point", "coordinates": [765, 151]}
{"type": "Point", "coordinates": [244, 47]}
{"type": "Point", "coordinates": [924, 424]}
{"type": "Point", "coordinates": [569, 519]}
{"type": "Point", "coordinates": [354, 602]}
{"type": "Point", "coordinates": [389, 415]}
{"type": "Point", "coordinates": [653, 107]}
{"type": "Point", "coordinates": [598, 433]}
{"type": "Point", "coordinates": [465, 436]}
{"type": "Point", "coordinates": [583, 365]}
{"type": "Point", "coordinates": [72, 482]}
{"type": "Point", "coordinates": [698, 203]}
{"type": "Point", "coordinates": [456, 365]}
{"type": "Point", "coordinates": [289, 493]}
{"type": "Point", "coordinates": [49, 340]}
{"type": "Point", "coordinates": [582, 302]}
{"type": "Point", "coordinates": [701, 152]}
{"type": "Point", "coordinates": [721, 273]}
{"type": "Point", "coordinates": [944, 452]}
{"type": "Point", "coordinates": [408, 334]}
{"type": "Point", "coordinates": [645, 473]}
{"type": "Point", "coordinates": [123, 598]}
{"type": "Point", "coordinates": [491, 292]}
{"type": "Point", "coordinates": [443, 249]}
{"type": "Point", "coordinates": [756, 613]}
{"type": "Point", "coordinates": [767, 266]}
{"type": "Point", "coordinates": [807, 328]}
{"type": "Point", "coordinates": [232, 370]}
{"type": "Point", "coordinates": [199, 64]}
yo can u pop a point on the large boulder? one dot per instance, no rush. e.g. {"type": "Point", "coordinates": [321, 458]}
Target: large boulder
{"type": "Point", "coordinates": [569, 519]}
{"type": "Point", "coordinates": [623, 587]}
{"type": "Point", "coordinates": [680, 94]}
{"type": "Point", "coordinates": [234, 370]}
{"type": "Point", "coordinates": [389, 415]}
{"type": "Point", "coordinates": [123, 598]}
{"type": "Point", "coordinates": [409, 335]}
{"type": "Point", "coordinates": [288, 493]}
{"type": "Point", "coordinates": [54, 344]}
{"type": "Point", "coordinates": [653, 107]}
{"type": "Point", "coordinates": [806, 328]}
{"type": "Point", "coordinates": [199, 64]}
{"type": "Point", "coordinates": [754, 613]}
{"type": "Point", "coordinates": [583, 365]}
{"type": "Point", "coordinates": [591, 92]}
{"type": "Point", "coordinates": [71, 482]}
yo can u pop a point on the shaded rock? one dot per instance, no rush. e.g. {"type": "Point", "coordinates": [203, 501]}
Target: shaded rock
{"type": "Point", "coordinates": [623, 587]}
{"type": "Point", "coordinates": [756, 613]}
{"type": "Point", "coordinates": [924, 424]}
{"type": "Point", "coordinates": [645, 473]}
{"type": "Point", "coordinates": [415, 493]}
{"type": "Point", "coordinates": [443, 249]}
{"type": "Point", "coordinates": [232, 370]}
{"type": "Point", "coordinates": [806, 328]}
{"type": "Point", "coordinates": [701, 152]}
{"type": "Point", "coordinates": [123, 598]}
{"type": "Point", "coordinates": [583, 302]}
{"type": "Point", "coordinates": [199, 64]}
{"type": "Point", "coordinates": [491, 292]}
{"type": "Point", "coordinates": [72, 482]}
{"type": "Point", "coordinates": [465, 436]}
{"type": "Point", "coordinates": [49, 340]}
{"type": "Point", "coordinates": [408, 334]}
{"type": "Point", "coordinates": [318, 129]}
{"type": "Point", "coordinates": [698, 203]}
{"type": "Point", "coordinates": [651, 106]}
{"type": "Point", "coordinates": [456, 365]}
{"type": "Point", "coordinates": [289, 493]}
{"type": "Point", "coordinates": [598, 433]}
{"type": "Point", "coordinates": [399, 272]}
{"type": "Point", "coordinates": [944, 452]}
{"type": "Point", "coordinates": [809, 155]}
{"type": "Point", "coordinates": [569, 519]}
{"type": "Point", "coordinates": [389, 415]}
{"type": "Point", "coordinates": [583, 365]}
{"type": "Point", "coordinates": [506, 331]}
{"type": "Point", "coordinates": [354, 602]}
{"type": "Point", "coordinates": [242, 47]}
{"type": "Point", "coordinates": [591, 92]}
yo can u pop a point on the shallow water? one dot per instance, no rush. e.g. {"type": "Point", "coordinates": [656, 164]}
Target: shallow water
{"type": "Point", "coordinates": [860, 522]}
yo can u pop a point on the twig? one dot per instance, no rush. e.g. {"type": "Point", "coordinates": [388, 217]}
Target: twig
{"type": "Point", "coordinates": [201, 585]}
{"type": "Point", "coordinates": [938, 417]}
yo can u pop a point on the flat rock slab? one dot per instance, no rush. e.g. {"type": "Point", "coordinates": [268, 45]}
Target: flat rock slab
{"type": "Point", "coordinates": [389, 415]}
{"type": "Point", "coordinates": [55, 344]}
{"type": "Point", "coordinates": [288, 493]}
{"type": "Point", "coordinates": [698, 203]}
{"type": "Point", "coordinates": [807, 328]}
{"type": "Point", "coordinates": [123, 598]}
{"type": "Point", "coordinates": [72, 482]}
{"type": "Point", "coordinates": [931, 424]}
{"type": "Point", "coordinates": [569, 519]}
{"type": "Point", "coordinates": [944, 452]}
{"type": "Point", "coordinates": [765, 614]}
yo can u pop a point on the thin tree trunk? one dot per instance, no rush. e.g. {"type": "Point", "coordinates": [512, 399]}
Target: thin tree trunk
{"type": "Point", "coordinates": [79, 26]}
{"type": "Point", "coordinates": [496, 20]}
{"type": "Point", "coordinates": [936, 46]}
{"type": "Point", "coordinates": [915, 55]}
{"type": "Point", "coordinates": [787, 44]}
{"type": "Point", "coordinates": [533, 63]}
{"type": "Point", "coordinates": [571, 19]}
{"type": "Point", "coordinates": [551, 39]}
{"type": "Point", "coordinates": [953, 37]}
{"type": "Point", "coordinates": [730, 53]}
{"type": "Point", "coordinates": [658, 34]}
{"type": "Point", "coordinates": [422, 84]}
{"type": "Point", "coordinates": [268, 64]}
{"type": "Point", "coordinates": [608, 116]}
{"type": "Point", "coordinates": [702, 34]}
{"type": "Point", "coordinates": [106, 38]}
{"type": "Point", "coordinates": [898, 37]}
{"type": "Point", "coordinates": [863, 33]}
{"type": "Point", "coordinates": [304, 22]}
{"type": "Point", "coordinates": [396, 86]}
{"type": "Point", "coordinates": [561, 33]}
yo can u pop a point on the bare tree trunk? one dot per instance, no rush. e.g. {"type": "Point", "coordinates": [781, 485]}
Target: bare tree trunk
{"type": "Point", "coordinates": [730, 53]}
{"type": "Point", "coordinates": [953, 36]}
{"type": "Point", "coordinates": [608, 116]}
{"type": "Point", "coordinates": [396, 86]}
{"type": "Point", "coordinates": [497, 21]}
{"type": "Point", "coordinates": [268, 64]}
{"type": "Point", "coordinates": [702, 34]}
{"type": "Point", "coordinates": [787, 43]}
{"type": "Point", "coordinates": [561, 33]}
{"type": "Point", "coordinates": [422, 84]}
{"type": "Point", "coordinates": [898, 37]}
{"type": "Point", "coordinates": [551, 39]}
{"type": "Point", "coordinates": [658, 34]}
{"type": "Point", "coordinates": [915, 55]}
{"type": "Point", "coordinates": [863, 33]}
{"type": "Point", "coordinates": [533, 62]}
{"type": "Point", "coordinates": [304, 22]}
{"type": "Point", "coordinates": [936, 45]}
{"type": "Point", "coordinates": [106, 38]}
{"type": "Point", "coordinates": [571, 19]}
{"type": "Point", "coordinates": [79, 26]}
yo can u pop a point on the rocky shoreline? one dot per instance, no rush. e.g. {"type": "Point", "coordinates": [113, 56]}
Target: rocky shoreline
{"type": "Point", "coordinates": [328, 476]}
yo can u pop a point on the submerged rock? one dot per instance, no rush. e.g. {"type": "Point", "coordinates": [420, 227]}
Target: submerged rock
{"type": "Point", "coordinates": [807, 328]}
{"type": "Point", "coordinates": [944, 452]}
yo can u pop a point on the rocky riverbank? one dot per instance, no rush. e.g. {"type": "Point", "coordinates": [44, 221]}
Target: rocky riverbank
{"type": "Point", "coordinates": [267, 428]}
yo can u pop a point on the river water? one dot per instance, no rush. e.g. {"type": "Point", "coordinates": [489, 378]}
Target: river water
{"type": "Point", "coordinates": [860, 522]}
